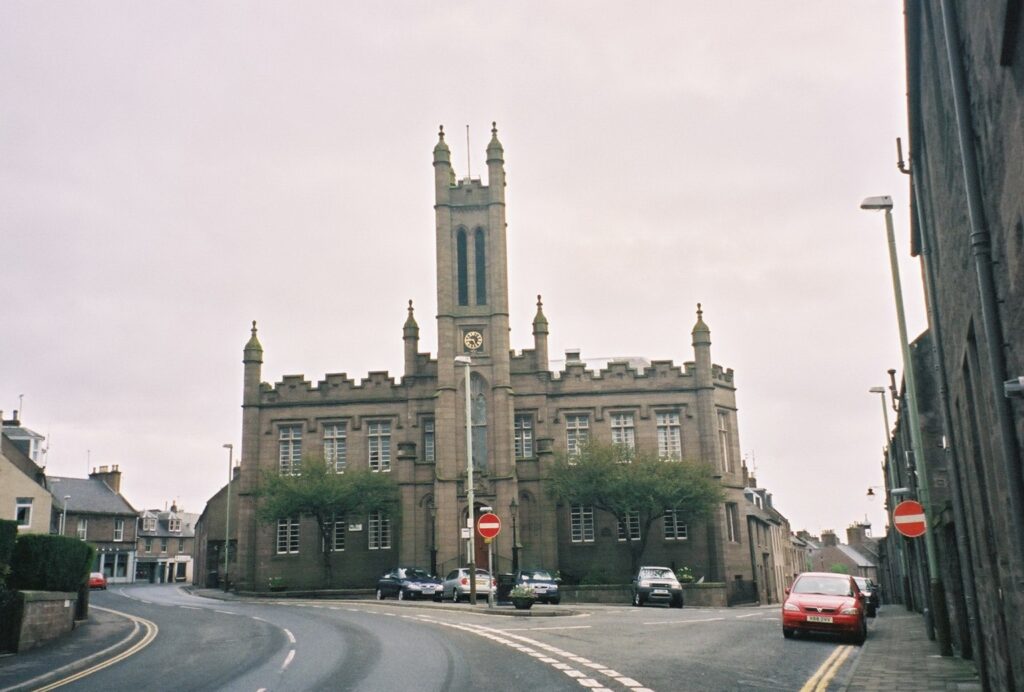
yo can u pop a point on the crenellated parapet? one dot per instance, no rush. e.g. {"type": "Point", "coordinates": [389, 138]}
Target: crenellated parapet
{"type": "Point", "coordinates": [335, 387]}
{"type": "Point", "coordinates": [624, 374]}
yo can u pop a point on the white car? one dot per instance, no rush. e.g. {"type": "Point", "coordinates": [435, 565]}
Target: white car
{"type": "Point", "coordinates": [456, 584]}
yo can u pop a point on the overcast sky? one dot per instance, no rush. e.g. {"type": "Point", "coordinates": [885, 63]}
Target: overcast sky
{"type": "Point", "coordinates": [171, 171]}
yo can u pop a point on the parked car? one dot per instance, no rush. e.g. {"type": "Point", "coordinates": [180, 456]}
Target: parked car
{"type": "Point", "coordinates": [545, 586]}
{"type": "Point", "coordinates": [456, 584]}
{"type": "Point", "coordinates": [870, 591]}
{"type": "Point", "coordinates": [825, 602]}
{"type": "Point", "coordinates": [408, 582]}
{"type": "Point", "coordinates": [97, 581]}
{"type": "Point", "coordinates": [657, 585]}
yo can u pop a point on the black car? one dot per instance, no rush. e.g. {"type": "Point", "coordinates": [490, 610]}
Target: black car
{"type": "Point", "coordinates": [408, 582]}
{"type": "Point", "coordinates": [544, 585]}
{"type": "Point", "coordinates": [870, 591]}
{"type": "Point", "coordinates": [657, 585]}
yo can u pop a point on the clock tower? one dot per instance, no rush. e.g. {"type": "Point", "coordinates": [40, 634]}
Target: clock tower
{"type": "Point", "coordinates": [473, 321]}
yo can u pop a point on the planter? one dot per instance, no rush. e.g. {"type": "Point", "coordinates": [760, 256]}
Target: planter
{"type": "Point", "coordinates": [522, 603]}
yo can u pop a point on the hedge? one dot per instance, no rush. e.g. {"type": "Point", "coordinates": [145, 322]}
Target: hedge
{"type": "Point", "coordinates": [8, 535]}
{"type": "Point", "coordinates": [50, 563]}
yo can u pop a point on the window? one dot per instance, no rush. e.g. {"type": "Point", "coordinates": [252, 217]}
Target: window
{"type": "Point", "coordinates": [478, 418]}
{"type": "Point", "coordinates": [428, 439]}
{"type": "Point", "coordinates": [149, 524]}
{"type": "Point", "coordinates": [289, 450]}
{"type": "Point", "coordinates": [335, 452]}
{"type": "Point", "coordinates": [336, 537]}
{"type": "Point", "coordinates": [379, 433]}
{"type": "Point", "coordinates": [577, 431]}
{"type": "Point", "coordinates": [723, 438]}
{"type": "Point", "coordinates": [622, 430]}
{"type": "Point", "coordinates": [581, 523]}
{"type": "Point", "coordinates": [119, 529]}
{"type": "Point", "coordinates": [163, 546]}
{"type": "Point", "coordinates": [630, 524]}
{"type": "Point", "coordinates": [83, 528]}
{"type": "Point", "coordinates": [732, 522]}
{"type": "Point", "coordinates": [148, 543]}
{"type": "Point", "coordinates": [460, 245]}
{"type": "Point", "coordinates": [669, 442]}
{"type": "Point", "coordinates": [524, 436]}
{"type": "Point", "coordinates": [288, 536]}
{"type": "Point", "coordinates": [379, 533]}
{"type": "Point", "coordinates": [23, 511]}
{"type": "Point", "coordinates": [675, 529]}
{"type": "Point", "coordinates": [174, 525]}
{"type": "Point", "coordinates": [480, 257]}
{"type": "Point", "coordinates": [181, 545]}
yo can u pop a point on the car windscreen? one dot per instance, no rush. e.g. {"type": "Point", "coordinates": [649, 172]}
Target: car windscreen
{"type": "Point", "coordinates": [824, 586]}
{"type": "Point", "coordinates": [416, 574]}
{"type": "Point", "coordinates": [537, 575]}
{"type": "Point", "coordinates": [656, 574]}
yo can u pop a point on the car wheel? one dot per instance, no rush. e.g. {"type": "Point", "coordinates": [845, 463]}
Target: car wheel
{"type": "Point", "coordinates": [380, 595]}
{"type": "Point", "coordinates": [437, 596]}
{"type": "Point", "coordinates": [637, 601]}
{"type": "Point", "coordinates": [787, 633]}
{"type": "Point", "coordinates": [872, 612]}
{"type": "Point", "coordinates": [861, 635]}
{"type": "Point", "coordinates": [677, 602]}
{"type": "Point", "coordinates": [555, 601]}
{"type": "Point", "coordinates": [455, 595]}
{"type": "Point", "coordinates": [401, 594]}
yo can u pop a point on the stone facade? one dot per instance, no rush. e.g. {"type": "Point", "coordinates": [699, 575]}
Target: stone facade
{"type": "Point", "coordinates": [965, 66]}
{"type": "Point", "coordinates": [523, 414]}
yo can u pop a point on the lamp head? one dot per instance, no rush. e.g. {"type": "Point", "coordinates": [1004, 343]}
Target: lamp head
{"type": "Point", "coordinates": [485, 509]}
{"type": "Point", "coordinates": [876, 203]}
{"type": "Point", "coordinates": [877, 390]}
{"type": "Point", "coordinates": [462, 360]}
{"type": "Point", "coordinates": [228, 445]}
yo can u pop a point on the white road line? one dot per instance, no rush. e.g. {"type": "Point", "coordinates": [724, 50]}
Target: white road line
{"type": "Point", "coordinates": [225, 612]}
{"type": "Point", "coordinates": [288, 660]}
{"type": "Point", "coordinates": [548, 629]}
{"type": "Point", "coordinates": [748, 615]}
{"type": "Point", "coordinates": [291, 637]}
{"type": "Point", "coordinates": [190, 607]}
{"type": "Point", "coordinates": [680, 622]}
{"type": "Point", "coordinates": [254, 617]}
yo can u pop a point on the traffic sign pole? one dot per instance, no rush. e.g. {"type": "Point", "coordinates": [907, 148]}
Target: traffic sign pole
{"type": "Point", "coordinates": [490, 571]}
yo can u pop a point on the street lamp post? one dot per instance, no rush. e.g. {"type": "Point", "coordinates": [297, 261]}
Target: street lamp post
{"type": "Point", "coordinates": [938, 599]}
{"type": "Point", "coordinates": [465, 361]}
{"type": "Point", "coordinates": [227, 514]}
{"type": "Point", "coordinates": [432, 508]}
{"type": "Point", "coordinates": [513, 510]}
{"type": "Point", "coordinates": [64, 515]}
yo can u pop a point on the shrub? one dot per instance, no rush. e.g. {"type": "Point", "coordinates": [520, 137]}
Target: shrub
{"type": "Point", "coordinates": [8, 535]}
{"type": "Point", "coordinates": [521, 591]}
{"type": "Point", "coordinates": [50, 563]}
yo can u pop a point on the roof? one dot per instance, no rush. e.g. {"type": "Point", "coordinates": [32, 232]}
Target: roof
{"type": "Point", "coordinates": [88, 496]}
{"type": "Point", "coordinates": [855, 555]}
{"type": "Point", "coordinates": [188, 524]}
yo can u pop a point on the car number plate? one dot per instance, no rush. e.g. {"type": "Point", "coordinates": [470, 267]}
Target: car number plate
{"type": "Point", "coordinates": [819, 618]}
{"type": "Point", "coordinates": [481, 584]}
{"type": "Point", "coordinates": [429, 589]}
{"type": "Point", "coordinates": [661, 592]}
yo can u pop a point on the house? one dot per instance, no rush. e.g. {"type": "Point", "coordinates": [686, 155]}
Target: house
{"type": "Point", "coordinates": [24, 494]}
{"type": "Point", "coordinates": [166, 545]}
{"type": "Point", "coordinates": [833, 556]}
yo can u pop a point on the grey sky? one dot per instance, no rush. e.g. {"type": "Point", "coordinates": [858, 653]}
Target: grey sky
{"type": "Point", "coordinates": [171, 171]}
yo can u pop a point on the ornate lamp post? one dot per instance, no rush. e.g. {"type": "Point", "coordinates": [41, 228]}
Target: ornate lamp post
{"type": "Point", "coordinates": [432, 508]}
{"type": "Point", "coordinates": [513, 510]}
{"type": "Point", "coordinates": [227, 514]}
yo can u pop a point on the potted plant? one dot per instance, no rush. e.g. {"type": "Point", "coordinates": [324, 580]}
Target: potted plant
{"type": "Point", "coordinates": [684, 575]}
{"type": "Point", "coordinates": [276, 584]}
{"type": "Point", "coordinates": [522, 597]}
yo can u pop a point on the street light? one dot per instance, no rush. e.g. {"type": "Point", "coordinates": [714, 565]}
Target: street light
{"type": "Point", "coordinates": [465, 362]}
{"type": "Point", "coordinates": [64, 515]}
{"type": "Point", "coordinates": [884, 203]}
{"type": "Point", "coordinates": [227, 514]}
{"type": "Point", "coordinates": [513, 510]}
{"type": "Point", "coordinates": [432, 508]}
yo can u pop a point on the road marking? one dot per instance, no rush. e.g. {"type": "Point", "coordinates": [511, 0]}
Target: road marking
{"type": "Point", "coordinates": [288, 633]}
{"type": "Point", "coordinates": [225, 612]}
{"type": "Point", "coordinates": [254, 617]}
{"type": "Point", "coordinates": [190, 607]}
{"type": "Point", "coordinates": [538, 629]}
{"type": "Point", "coordinates": [288, 660]}
{"type": "Point", "coordinates": [823, 676]}
{"type": "Point", "coordinates": [680, 622]}
{"type": "Point", "coordinates": [147, 639]}
{"type": "Point", "coordinates": [748, 615]}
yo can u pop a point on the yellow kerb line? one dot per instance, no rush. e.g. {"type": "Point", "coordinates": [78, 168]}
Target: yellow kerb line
{"type": "Point", "coordinates": [823, 676]}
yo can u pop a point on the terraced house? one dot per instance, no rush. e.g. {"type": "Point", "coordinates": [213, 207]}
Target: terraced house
{"type": "Point", "coordinates": [522, 414]}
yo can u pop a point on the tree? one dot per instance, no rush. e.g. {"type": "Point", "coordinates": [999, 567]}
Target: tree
{"type": "Point", "coordinates": [318, 492]}
{"type": "Point", "coordinates": [621, 482]}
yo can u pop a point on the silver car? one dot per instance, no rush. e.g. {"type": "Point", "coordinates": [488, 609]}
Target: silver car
{"type": "Point", "coordinates": [456, 584]}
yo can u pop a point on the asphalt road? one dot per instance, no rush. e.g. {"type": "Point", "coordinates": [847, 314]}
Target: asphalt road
{"type": "Point", "coordinates": [252, 645]}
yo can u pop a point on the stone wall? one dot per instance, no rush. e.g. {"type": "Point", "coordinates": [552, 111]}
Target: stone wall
{"type": "Point", "coordinates": [714, 595]}
{"type": "Point", "coordinates": [45, 615]}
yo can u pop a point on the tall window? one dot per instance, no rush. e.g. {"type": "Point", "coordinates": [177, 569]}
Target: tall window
{"type": "Point", "coordinates": [288, 536]}
{"type": "Point", "coordinates": [119, 529]}
{"type": "Point", "coordinates": [83, 528]}
{"type": "Point", "coordinates": [480, 257]}
{"type": "Point", "coordinates": [732, 522]}
{"type": "Point", "coordinates": [577, 431]}
{"type": "Point", "coordinates": [723, 438]}
{"type": "Point", "coordinates": [581, 523]}
{"type": "Point", "coordinates": [289, 449]}
{"type": "Point", "coordinates": [524, 436]}
{"type": "Point", "coordinates": [669, 442]}
{"type": "Point", "coordinates": [23, 511]}
{"type": "Point", "coordinates": [428, 439]}
{"type": "Point", "coordinates": [148, 543]}
{"type": "Point", "coordinates": [629, 528]}
{"type": "Point", "coordinates": [335, 446]}
{"type": "Point", "coordinates": [379, 434]}
{"type": "Point", "coordinates": [478, 417]}
{"type": "Point", "coordinates": [379, 533]}
{"type": "Point", "coordinates": [460, 248]}
{"type": "Point", "coordinates": [622, 430]}
{"type": "Point", "coordinates": [675, 528]}
{"type": "Point", "coordinates": [181, 545]}
{"type": "Point", "coordinates": [163, 545]}
{"type": "Point", "coordinates": [336, 538]}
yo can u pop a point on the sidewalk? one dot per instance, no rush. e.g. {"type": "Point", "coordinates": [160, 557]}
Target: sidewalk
{"type": "Point", "coordinates": [899, 656]}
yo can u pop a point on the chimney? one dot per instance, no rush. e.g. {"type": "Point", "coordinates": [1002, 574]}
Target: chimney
{"type": "Point", "coordinates": [828, 538]}
{"type": "Point", "coordinates": [109, 475]}
{"type": "Point", "coordinates": [572, 355]}
{"type": "Point", "coordinates": [855, 534]}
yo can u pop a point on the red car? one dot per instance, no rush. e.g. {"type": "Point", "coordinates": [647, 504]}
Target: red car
{"type": "Point", "coordinates": [97, 581]}
{"type": "Point", "coordinates": [825, 602]}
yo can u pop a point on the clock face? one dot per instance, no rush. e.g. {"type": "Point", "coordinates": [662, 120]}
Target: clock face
{"type": "Point", "coordinates": [473, 340]}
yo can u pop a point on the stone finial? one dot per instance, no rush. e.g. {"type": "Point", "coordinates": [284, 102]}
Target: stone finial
{"type": "Point", "coordinates": [540, 322]}
{"type": "Point", "coordinates": [411, 328]}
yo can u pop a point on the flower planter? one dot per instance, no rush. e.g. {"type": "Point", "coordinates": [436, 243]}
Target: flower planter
{"type": "Point", "coordinates": [522, 603]}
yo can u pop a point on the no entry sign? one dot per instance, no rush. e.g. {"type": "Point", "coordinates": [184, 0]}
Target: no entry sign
{"type": "Point", "coordinates": [908, 518]}
{"type": "Point", "coordinates": [489, 525]}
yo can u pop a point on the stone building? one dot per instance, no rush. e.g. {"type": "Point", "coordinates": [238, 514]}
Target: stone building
{"type": "Point", "coordinates": [523, 414]}
{"type": "Point", "coordinates": [166, 545]}
{"type": "Point", "coordinates": [965, 90]}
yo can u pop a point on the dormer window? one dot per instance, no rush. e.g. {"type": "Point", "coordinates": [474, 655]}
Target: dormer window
{"type": "Point", "coordinates": [174, 525]}
{"type": "Point", "coordinates": [149, 524]}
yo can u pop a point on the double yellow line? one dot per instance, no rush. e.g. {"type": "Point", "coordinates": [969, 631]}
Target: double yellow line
{"type": "Point", "coordinates": [822, 677]}
{"type": "Point", "coordinates": [147, 639]}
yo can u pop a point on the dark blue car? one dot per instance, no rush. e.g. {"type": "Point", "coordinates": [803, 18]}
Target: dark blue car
{"type": "Point", "coordinates": [408, 582]}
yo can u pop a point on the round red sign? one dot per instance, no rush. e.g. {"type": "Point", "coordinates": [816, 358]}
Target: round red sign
{"type": "Point", "coordinates": [909, 519]}
{"type": "Point", "coordinates": [489, 525]}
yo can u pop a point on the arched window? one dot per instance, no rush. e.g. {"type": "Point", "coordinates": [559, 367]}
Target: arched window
{"type": "Point", "coordinates": [480, 256]}
{"type": "Point", "coordinates": [460, 243]}
{"type": "Point", "coordinates": [478, 417]}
